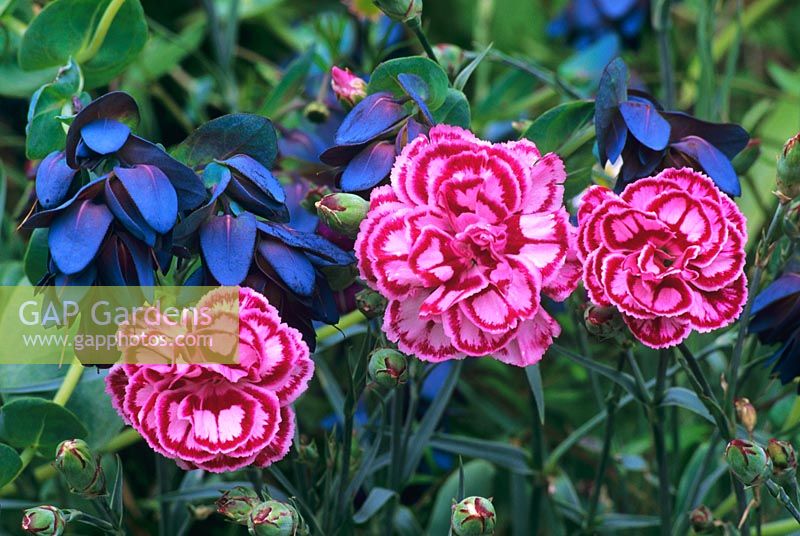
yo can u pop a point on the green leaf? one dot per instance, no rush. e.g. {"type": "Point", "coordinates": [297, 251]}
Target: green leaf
{"type": "Point", "coordinates": [10, 464]}
{"type": "Point", "coordinates": [291, 83]}
{"type": "Point", "coordinates": [115, 491]}
{"type": "Point", "coordinates": [36, 255]}
{"type": "Point", "coordinates": [67, 28]}
{"type": "Point", "coordinates": [499, 453]}
{"type": "Point", "coordinates": [229, 135]}
{"type": "Point", "coordinates": [105, 421]}
{"type": "Point", "coordinates": [45, 130]}
{"type": "Point", "coordinates": [686, 399]}
{"type": "Point", "coordinates": [31, 421]}
{"type": "Point", "coordinates": [535, 381]}
{"type": "Point", "coordinates": [455, 110]}
{"type": "Point", "coordinates": [463, 77]}
{"type": "Point", "coordinates": [552, 129]}
{"type": "Point", "coordinates": [376, 499]}
{"type": "Point", "coordinates": [623, 379]}
{"type": "Point", "coordinates": [385, 78]}
{"type": "Point", "coordinates": [164, 51]}
{"type": "Point", "coordinates": [479, 478]}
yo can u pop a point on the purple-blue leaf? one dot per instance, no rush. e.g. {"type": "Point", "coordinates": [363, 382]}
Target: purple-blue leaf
{"type": "Point", "coordinates": [614, 9]}
{"type": "Point", "coordinates": [53, 179]}
{"type": "Point", "coordinates": [611, 92]}
{"type": "Point", "coordinates": [369, 167]}
{"type": "Point", "coordinates": [311, 242]}
{"type": "Point", "coordinates": [105, 136]}
{"type": "Point", "coordinates": [258, 174]}
{"type": "Point", "coordinates": [188, 186]}
{"type": "Point", "coordinates": [44, 218]}
{"type": "Point", "coordinates": [227, 244]}
{"type": "Point", "coordinates": [76, 235]}
{"type": "Point", "coordinates": [370, 118]}
{"type": "Point", "coordinates": [291, 266]}
{"type": "Point", "coordinates": [729, 138]}
{"type": "Point", "coordinates": [713, 161]}
{"type": "Point", "coordinates": [323, 303]}
{"type": "Point", "coordinates": [409, 132]}
{"type": "Point", "coordinates": [116, 105]}
{"type": "Point", "coordinates": [416, 88]}
{"type": "Point", "coordinates": [153, 195]}
{"type": "Point", "coordinates": [141, 258]}
{"type": "Point", "coordinates": [646, 124]}
{"type": "Point", "coordinates": [340, 155]}
{"type": "Point", "coordinates": [784, 286]}
{"type": "Point", "coordinates": [121, 205]}
{"type": "Point", "coordinates": [616, 137]}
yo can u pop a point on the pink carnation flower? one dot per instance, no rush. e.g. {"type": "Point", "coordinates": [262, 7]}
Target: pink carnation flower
{"type": "Point", "coordinates": [347, 86]}
{"type": "Point", "coordinates": [463, 242]}
{"type": "Point", "coordinates": [221, 417]}
{"type": "Point", "coordinates": [668, 253]}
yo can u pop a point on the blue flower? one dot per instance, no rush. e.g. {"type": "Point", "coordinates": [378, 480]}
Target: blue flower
{"type": "Point", "coordinates": [583, 22]}
{"type": "Point", "coordinates": [776, 320]}
{"type": "Point", "coordinates": [631, 124]}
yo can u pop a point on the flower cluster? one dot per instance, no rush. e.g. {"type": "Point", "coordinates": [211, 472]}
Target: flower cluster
{"type": "Point", "coordinates": [221, 417]}
{"type": "Point", "coordinates": [464, 242]}
{"type": "Point", "coordinates": [668, 252]}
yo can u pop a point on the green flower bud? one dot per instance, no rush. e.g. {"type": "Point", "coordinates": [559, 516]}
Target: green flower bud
{"type": "Point", "coordinates": [748, 462]}
{"type": "Point", "coordinates": [789, 168]}
{"type": "Point", "coordinates": [237, 503]}
{"type": "Point", "coordinates": [388, 368]}
{"type": "Point", "coordinates": [313, 196]}
{"type": "Point", "coordinates": [784, 460]}
{"type": "Point", "coordinates": [371, 303]}
{"type": "Point", "coordinates": [604, 322]}
{"type": "Point", "coordinates": [44, 521]}
{"type": "Point", "coordinates": [343, 212]}
{"type": "Point", "coordinates": [400, 10]}
{"type": "Point", "coordinates": [743, 161]}
{"type": "Point", "coordinates": [474, 516]}
{"type": "Point", "coordinates": [80, 468]}
{"type": "Point", "coordinates": [702, 520]}
{"type": "Point", "coordinates": [273, 518]}
{"type": "Point", "coordinates": [451, 58]}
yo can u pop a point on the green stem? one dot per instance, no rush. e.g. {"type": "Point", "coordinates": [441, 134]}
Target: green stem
{"type": "Point", "coordinates": [659, 441]}
{"type": "Point", "coordinates": [100, 33]}
{"type": "Point", "coordinates": [744, 320]}
{"type": "Point", "coordinates": [661, 23]}
{"type": "Point", "coordinates": [415, 25]}
{"type": "Point", "coordinates": [347, 321]}
{"type": "Point", "coordinates": [703, 389]}
{"type": "Point", "coordinates": [780, 495]}
{"type": "Point", "coordinates": [612, 403]}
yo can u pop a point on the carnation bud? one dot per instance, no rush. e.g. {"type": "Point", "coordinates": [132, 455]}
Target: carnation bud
{"type": "Point", "coordinates": [474, 516]}
{"type": "Point", "coordinates": [604, 322]}
{"type": "Point", "coordinates": [789, 168]}
{"type": "Point", "coordinates": [80, 469]}
{"type": "Point", "coordinates": [44, 521]}
{"type": "Point", "coordinates": [343, 212]}
{"type": "Point", "coordinates": [308, 452]}
{"type": "Point", "coordinates": [743, 161]}
{"type": "Point", "coordinates": [273, 518]}
{"type": "Point", "coordinates": [313, 196]}
{"type": "Point", "coordinates": [748, 462]}
{"type": "Point", "coordinates": [237, 503]}
{"type": "Point", "coordinates": [372, 304]}
{"type": "Point", "coordinates": [400, 10]}
{"type": "Point", "coordinates": [348, 87]}
{"type": "Point", "coordinates": [450, 57]}
{"type": "Point", "coordinates": [747, 413]}
{"type": "Point", "coordinates": [702, 520]}
{"type": "Point", "coordinates": [388, 368]}
{"type": "Point", "coordinates": [784, 460]}
{"type": "Point", "coordinates": [317, 112]}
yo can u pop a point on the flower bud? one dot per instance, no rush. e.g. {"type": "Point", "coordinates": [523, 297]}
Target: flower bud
{"type": "Point", "coordinates": [273, 518]}
{"type": "Point", "coordinates": [80, 469]}
{"type": "Point", "coordinates": [604, 322]}
{"type": "Point", "coordinates": [372, 304]}
{"type": "Point", "coordinates": [743, 161]}
{"type": "Point", "coordinates": [313, 196]}
{"type": "Point", "coordinates": [702, 520]}
{"type": "Point", "coordinates": [44, 521]}
{"type": "Point", "coordinates": [400, 10]}
{"type": "Point", "coordinates": [789, 168]}
{"type": "Point", "coordinates": [748, 462]}
{"type": "Point", "coordinates": [784, 460]}
{"type": "Point", "coordinates": [746, 413]}
{"type": "Point", "coordinates": [388, 368]}
{"type": "Point", "coordinates": [348, 87]}
{"type": "Point", "coordinates": [343, 212]}
{"type": "Point", "coordinates": [237, 503]}
{"type": "Point", "coordinates": [316, 112]}
{"type": "Point", "coordinates": [451, 58]}
{"type": "Point", "coordinates": [474, 516]}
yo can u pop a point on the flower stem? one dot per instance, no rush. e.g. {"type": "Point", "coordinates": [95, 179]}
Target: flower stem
{"type": "Point", "coordinates": [612, 403]}
{"type": "Point", "coordinates": [657, 424]}
{"type": "Point", "coordinates": [661, 23]}
{"type": "Point", "coordinates": [347, 321]}
{"type": "Point", "coordinates": [780, 495]}
{"type": "Point", "coordinates": [101, 32]}
{"type": "Point", "coordinates": [703, 390]}
{"type": "Point", "coordinates": [415, 25]}
{"type": "Point", "coordinates": [762, 255]}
